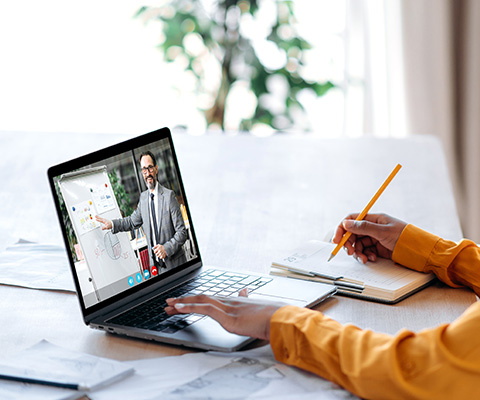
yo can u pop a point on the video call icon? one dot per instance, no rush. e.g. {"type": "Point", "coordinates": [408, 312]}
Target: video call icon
{"type": "Point", "coordinates": [146, 274]}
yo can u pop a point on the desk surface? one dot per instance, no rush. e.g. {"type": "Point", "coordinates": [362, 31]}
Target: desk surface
{"type": "Point", "coordinates": [250, 199]}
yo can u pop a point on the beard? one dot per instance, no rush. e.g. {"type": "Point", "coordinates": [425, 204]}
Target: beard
{"type": "Point", "coordinates": [151, 184]}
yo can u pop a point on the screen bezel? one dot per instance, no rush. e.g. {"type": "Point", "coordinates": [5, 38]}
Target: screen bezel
{"type": "Point", "coordinates": [97, 156]}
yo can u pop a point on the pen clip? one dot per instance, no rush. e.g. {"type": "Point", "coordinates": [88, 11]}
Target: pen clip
{"type": "Point", "coordinates": [300, 272]}
{"type": "Point", "coordinates": [325, 276]}
{"type": "Point", "coordinates": [314, 274]}
{"type": "Point", "coordinates": [353, 287]}
{"type": "Point", "coordinates": [349, 286]}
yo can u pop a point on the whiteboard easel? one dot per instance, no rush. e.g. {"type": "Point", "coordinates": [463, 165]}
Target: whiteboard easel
{"type": "Point", "coordinates": [109, 258]}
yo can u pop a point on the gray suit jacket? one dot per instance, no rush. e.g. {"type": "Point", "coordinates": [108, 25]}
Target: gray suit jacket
{"type": "Point", "coordinates": [172, 232]}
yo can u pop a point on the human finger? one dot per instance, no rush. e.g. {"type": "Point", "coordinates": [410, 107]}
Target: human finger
{"type": "Point", "coordinates": [375, 219]}
{"type": "Point", "coordinates": [202, 308]}
{"type": "Point", "coordinates": [349, 245]}
{"type": "Point", "coordinates": [371, 255]}
{"type": "Point", "coordinates": [249, 317]}
{"type": "Point", "coordinates": [386, 231]}
{"type": "Point", "coordinates": [107, 224]}
{"type": "Point", "coordinates": [101, 220]}
{"type": "Point", "coordinates": [225, 314]}
{"type": "Point", "coordinates": [340, 231]}
{"type": "Point", "coordinates": [202, 303]}
{"type": "Point", "coordinates": [157, 249]}
{"type": "Point", "coordinates": [163, 252]}
{"type": "Point", "coordinates": [198, 299]}
{"type": "Point", "coordinates": [361, 248]}
{"type": "Point", "coordinates": [363, 228]}
{"type": "Point", "coordinates": [360, 257]}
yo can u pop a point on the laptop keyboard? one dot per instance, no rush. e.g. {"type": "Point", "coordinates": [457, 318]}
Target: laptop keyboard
{"type": "Point", "coordinates": [151, 315]}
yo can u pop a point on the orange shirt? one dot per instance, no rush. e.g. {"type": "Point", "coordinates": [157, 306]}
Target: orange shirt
{"type": "Point", "coordinates": [439, 363]}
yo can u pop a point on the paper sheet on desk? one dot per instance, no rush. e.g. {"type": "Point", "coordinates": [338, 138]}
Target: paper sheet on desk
{"type": "Point", "coordinates": [27, 391]}
{"type": "Point", "coordinates": [253, 374]}
{"type": "Point", "coordinates": [36, 266]}
{"type": "Point", "coordinates": [47, 362]}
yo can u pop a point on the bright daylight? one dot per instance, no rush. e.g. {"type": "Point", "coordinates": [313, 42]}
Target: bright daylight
{"type": "Point", "coordinates": [240, 199]}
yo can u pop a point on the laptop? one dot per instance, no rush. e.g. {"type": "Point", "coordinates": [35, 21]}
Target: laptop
{"type": "Point", "coordinates": [121, 282]}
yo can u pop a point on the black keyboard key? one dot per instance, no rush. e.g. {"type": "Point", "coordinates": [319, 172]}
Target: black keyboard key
{"type": "Point", "coordinates": [171, 329]}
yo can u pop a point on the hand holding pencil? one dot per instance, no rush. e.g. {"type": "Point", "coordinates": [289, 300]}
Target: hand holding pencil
{"type": "Point", "coordinates": [375, 236]}
{"type": "Point", "coordinates": [379, 232]}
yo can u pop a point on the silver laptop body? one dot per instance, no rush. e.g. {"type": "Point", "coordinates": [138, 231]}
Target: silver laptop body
{"type": "Point", "coordinates": [112, 275]}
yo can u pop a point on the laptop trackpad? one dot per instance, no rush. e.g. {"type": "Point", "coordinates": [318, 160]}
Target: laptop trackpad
{"type": "Point", "coordinates": [277, 299]}
{"type": "Point", "coordinates": [293, 291]}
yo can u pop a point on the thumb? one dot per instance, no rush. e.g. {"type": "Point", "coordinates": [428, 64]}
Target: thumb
{"type": "Point", "coordinates": [364, 228]}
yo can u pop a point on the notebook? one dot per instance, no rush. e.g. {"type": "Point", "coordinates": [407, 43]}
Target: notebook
{"type": "Point", "coordinates": [383, 281]}
{"type": "Point", "coordinates": [129, 251]}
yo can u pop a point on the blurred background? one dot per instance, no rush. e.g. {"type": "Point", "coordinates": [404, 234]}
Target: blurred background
{"type": "Point", "coordinates": [343, 68]}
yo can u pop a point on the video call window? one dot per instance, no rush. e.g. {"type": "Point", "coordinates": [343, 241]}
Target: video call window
{"type": "Point", "coordinates": [107, 213]}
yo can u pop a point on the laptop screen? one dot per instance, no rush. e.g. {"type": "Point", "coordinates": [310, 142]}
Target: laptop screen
{"type": "Point", "coordinates": [124, 217]}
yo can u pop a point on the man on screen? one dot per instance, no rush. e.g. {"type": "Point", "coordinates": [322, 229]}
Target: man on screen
{"type": "Point", "coordinates": [158, 212]}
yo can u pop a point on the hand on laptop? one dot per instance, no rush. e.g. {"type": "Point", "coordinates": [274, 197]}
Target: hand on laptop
{"type": "Point", "coordinates": [238, 315]}
{"type": "Point", "coordinates": [107, 224]}
{"type": "Point", "coordinates": [375, 236]}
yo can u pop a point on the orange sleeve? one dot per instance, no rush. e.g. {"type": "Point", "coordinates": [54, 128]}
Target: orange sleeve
{"type": "Point", "coordinates": [454, 264]}
{"type": "Point", "coordinates": [443, 362]}
{"type": "Point", "coordinates": [439, 363]}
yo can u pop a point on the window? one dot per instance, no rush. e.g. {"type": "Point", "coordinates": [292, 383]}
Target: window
{"type": "Point", "coordinates": [96, 69]}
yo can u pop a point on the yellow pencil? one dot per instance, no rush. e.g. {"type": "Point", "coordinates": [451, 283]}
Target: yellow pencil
{"type": "Point", "coordinates": [366, 209]}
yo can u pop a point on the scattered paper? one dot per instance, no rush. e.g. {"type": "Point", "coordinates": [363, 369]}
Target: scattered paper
{"type": "Point", "coordinates": [28, 391]}
{"type": "Point", "coordinates": [253, 374]}
{"type": "Point", "coordinates": [36, 266]}
{"type": "Point", "coordinates": [45, 362]}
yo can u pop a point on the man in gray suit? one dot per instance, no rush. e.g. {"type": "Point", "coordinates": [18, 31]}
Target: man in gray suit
{"type": "Point", "coordinates": [158, 212]}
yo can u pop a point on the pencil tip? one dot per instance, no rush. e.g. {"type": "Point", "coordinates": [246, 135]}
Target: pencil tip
{"type": "Point", "coordinates": [331, 256]}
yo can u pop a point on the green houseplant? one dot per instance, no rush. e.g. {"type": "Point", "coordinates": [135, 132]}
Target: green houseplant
{"type": "Point", "coordinates": [223, 35]}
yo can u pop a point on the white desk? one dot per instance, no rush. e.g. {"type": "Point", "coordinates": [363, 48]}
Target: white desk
{"type": "Point", "coordinates": [250, 199]}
